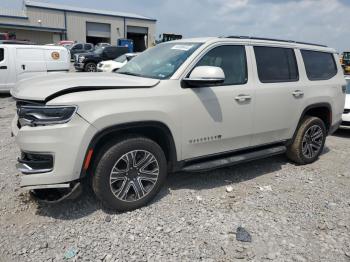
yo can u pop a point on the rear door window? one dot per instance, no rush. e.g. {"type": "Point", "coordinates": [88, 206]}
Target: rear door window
{"type": "Point", "coordinates": [2, 54]}
{"type": "Point", "coordinates": [276, 64]}
{"type": "Point", "coordinates": [319, 65]}
{"type": "Point", "coordinates": [231, 59]}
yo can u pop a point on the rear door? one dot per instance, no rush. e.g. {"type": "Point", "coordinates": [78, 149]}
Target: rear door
{"type": "Point", "coordinates": [279, 94]}
{"type": "Point", "coordinates": [30, 62]}
{"type": "Point", "coordinates": [4, 68]}
{"type": "Point", "coordinates": [57, 59]}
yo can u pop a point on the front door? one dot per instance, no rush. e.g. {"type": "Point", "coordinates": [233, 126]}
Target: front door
{"type": "Point", "coordinates": [218, 119]}
{"type": "Point", "coordinates": [4, 68]}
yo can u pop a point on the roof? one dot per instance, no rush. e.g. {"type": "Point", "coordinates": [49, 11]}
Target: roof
{"type": "Point", "coordinates": [259, 41]}
{"type": "Point", "coordinates": [13, 13]}
{"type": "Point", "coordinates": [46, 5]}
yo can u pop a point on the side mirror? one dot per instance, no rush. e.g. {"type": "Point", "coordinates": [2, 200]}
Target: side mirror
{"type": "Point", "coordinates": [203, 76]}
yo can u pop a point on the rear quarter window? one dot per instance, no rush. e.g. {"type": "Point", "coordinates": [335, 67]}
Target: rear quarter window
{"type": "Point", "coordinates": [319, 65]}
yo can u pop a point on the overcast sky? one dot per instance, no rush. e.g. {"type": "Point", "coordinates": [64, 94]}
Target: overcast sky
{"type": "Point", "coordinates": [320, 21]}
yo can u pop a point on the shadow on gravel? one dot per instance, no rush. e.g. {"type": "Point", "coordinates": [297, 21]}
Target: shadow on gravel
{"type": "Point", "coordinates": [221, 177]}
{"type": "Point", "coordinates": [4, 95]}
{"type": "Point", "coordinates": [84, 205]}
{"type": "Point", "coordinates": [344, 133]}
{"type": "Point", "coordinates": [87, 203]}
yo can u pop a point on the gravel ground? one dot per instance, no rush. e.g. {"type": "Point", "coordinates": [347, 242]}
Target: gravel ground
{"type": "Point", "coordinates": [292, 213]}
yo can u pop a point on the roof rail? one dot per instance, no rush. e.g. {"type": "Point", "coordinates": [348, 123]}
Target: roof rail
{"type": "Point", "coordinates": [273, 39]}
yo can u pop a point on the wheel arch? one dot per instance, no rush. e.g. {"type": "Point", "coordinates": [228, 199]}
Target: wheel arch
{"type": "Point", "coordinates": [157, 131]}
{"type": "Point", "coordinates": [321, 110]}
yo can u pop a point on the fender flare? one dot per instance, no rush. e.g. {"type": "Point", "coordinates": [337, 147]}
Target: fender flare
{"type": "Point", "coordinates": [312, 106]}
{"type": "Point", "coordinates": [120, 127]}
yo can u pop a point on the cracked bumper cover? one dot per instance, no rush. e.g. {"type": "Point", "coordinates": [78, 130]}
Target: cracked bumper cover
{"type": "Point", "coordinates": [66, 143]}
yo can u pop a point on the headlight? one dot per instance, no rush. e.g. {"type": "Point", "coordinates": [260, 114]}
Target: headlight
{"type": "Point", "coordinates": [81, 59]}
{"type": "Point", "coordinates": [45, 115]}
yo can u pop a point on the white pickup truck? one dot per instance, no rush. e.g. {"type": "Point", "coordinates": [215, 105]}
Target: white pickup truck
{"type": "Point", "coordinates": [18, 62]}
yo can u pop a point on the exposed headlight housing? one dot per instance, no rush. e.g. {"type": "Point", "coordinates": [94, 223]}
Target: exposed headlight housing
{"type": "Point", "coordinates": [45, 115]}
{"type": "Point", "coordinates": [81, 59]}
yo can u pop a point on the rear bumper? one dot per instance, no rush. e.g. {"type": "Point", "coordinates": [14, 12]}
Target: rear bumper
{"type": "Point", "coordinates": [345, 120]}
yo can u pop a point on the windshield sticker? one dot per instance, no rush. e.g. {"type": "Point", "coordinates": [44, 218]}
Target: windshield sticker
{"type": "Point", "coordinates": [182, 47]}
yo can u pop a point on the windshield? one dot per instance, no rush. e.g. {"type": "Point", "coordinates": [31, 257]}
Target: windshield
{"type": "Point", "coordinates": [161, 61]}
{"type": "Point", "coordinates": [348, 86]}
{"type": "Point", "coordinates": [98, 50]}
{"type": "Point", "coordinates": [120, 59]}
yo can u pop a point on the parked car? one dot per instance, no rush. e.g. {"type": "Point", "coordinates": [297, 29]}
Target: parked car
{"type": "Point", "coordinates": [346, 62]}
{"type": "Point", "coordinates": [103, 44]}
{"type": "Point", "coordinates": [66, 42]}
{"type": "Point", "coordinates": [20, 61]}
{"type": "Point", "coordinates": [4, 36]}
{"type": "Point", "coordinates": [114, 65]}
{"type": "Point", "coordinates": [80, 48]}
{"type": "Point", "coordinates": [346, 113]}
{"type": "Point", "coordinates": [189, 105]}
{"type": "Point", "coordinates": [88, 62]}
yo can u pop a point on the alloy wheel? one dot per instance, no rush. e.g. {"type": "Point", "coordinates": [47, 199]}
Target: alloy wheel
{"type": "Point", "coordinates": [134, 175]}
{"type": "Point", "coordinates": [312, 141]}
{"type": "Point", "coordinates": [91, 68]}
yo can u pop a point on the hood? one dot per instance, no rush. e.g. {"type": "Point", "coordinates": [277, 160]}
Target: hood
{"type": "Point", "coordinates": [112, 62]}
{"type": "Point", "coordinates": [88, 54]}
{"type": "Point", "coordinates": [48, 87]}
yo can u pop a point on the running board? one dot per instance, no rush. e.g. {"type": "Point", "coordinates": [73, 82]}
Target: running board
{"type": "Point", "coordinates": [236, 159]}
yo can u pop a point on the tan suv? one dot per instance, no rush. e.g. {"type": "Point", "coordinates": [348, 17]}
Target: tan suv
{"type": "Point", "coordinates": [190, 105]}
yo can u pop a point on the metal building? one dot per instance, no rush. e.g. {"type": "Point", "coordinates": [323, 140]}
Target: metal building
{"type": "Point", "coordinates": [46, 23]}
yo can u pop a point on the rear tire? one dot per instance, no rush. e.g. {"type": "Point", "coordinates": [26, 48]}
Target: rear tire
{"type": "Point", "coordinates": [309, 141]}
{"type": "Point", "coordinates": [129, 173]}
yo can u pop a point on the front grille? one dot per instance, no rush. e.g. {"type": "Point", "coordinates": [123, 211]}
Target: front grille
{"type": "Point", "coordinates": [346, 111]}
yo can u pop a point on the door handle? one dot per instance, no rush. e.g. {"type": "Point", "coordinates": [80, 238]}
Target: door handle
{"type": "Point", "coordinates": [298, 93]}
{"type": "Point", "coordinates": [3, 67]}
{"type": "Point", "coordinates": [24, 67]}
{"type": "Point", "coordinates": [243, 98]}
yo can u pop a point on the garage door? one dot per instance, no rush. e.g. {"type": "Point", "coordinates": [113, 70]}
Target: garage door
{"type": "Point", "coordinates": [137, 30]}
{"type": "Point", "coordinates": [98, 30]}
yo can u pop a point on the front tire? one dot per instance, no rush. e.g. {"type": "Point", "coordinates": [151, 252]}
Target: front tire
{"type": "Point", "coordinates": [309, 141]}
{"type": "Point", "coordinates": [90, 67]}
{"type": "Point", "coordinates": [129, 173]}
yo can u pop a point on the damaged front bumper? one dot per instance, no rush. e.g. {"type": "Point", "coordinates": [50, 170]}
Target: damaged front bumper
{"type": "Point", "coordinates": [52, 157]}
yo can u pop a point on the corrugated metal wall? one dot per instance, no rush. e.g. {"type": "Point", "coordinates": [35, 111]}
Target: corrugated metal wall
{"type": "Point", "coordinates": [48, 18]}
{"type": "Point", "coordinates": [76, 23]}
